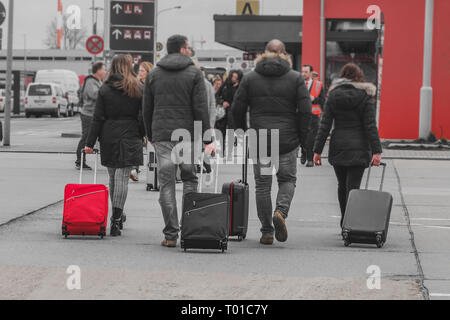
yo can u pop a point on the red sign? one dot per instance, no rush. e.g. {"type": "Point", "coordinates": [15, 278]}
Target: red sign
{"type": "Point", "coordinates": [95, 45]}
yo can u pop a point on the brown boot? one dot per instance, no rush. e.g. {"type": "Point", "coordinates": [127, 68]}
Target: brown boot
{"type": "Point", "coordinates": [266, 240]}
{"type": "Point", "coordinates": [279, 223]}
{"type": "Point", "coordinates": [169, 243]}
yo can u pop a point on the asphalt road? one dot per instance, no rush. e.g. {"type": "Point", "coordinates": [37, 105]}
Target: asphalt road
{"type": "Point", "coordinates": [312, 264]}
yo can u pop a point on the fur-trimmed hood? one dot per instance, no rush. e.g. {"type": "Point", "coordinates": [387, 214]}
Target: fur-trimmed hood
{"type": "Point", "coordinates": [273, 64]}
{"type": "Point", "coordinates": [369, 87]}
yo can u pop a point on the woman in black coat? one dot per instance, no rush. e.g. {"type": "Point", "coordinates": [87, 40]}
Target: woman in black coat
{"type": "Point", "coordinates": [118, 126]}
{"type": "Point", "coordinates": [355, 143]}
{"type": "Point", "coordinates": [225, 96]}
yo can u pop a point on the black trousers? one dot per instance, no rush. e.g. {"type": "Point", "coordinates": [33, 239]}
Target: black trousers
{"type": "Point", "coordinates": [349, 178]}
{"type": "Point", "coordinates": [308, 148]}
{"type": "Point", "coordinates": [85, 127]}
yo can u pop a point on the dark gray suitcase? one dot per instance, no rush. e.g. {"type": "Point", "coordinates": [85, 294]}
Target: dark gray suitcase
{"type": "Point", "coordinates": [205, 220]}
{"type": "Point", "coordinates": [367, 215]}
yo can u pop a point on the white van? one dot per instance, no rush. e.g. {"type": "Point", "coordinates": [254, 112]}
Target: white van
{"type": "Point", "coordinates": [69, 82]}
{"type": "Point", "coordinates": [45, 98]}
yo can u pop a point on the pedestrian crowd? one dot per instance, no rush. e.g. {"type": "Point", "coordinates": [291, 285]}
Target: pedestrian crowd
{"type": "Point", "coordinates": [124, 110]}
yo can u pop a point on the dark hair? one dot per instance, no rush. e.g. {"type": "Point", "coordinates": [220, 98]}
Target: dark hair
{"type": "Point", "coordinates": [311, 69]}
{"type": "Point", "coordinates": [352, 72]}
{"type": "Point", "coordinates": [97, 66]}
{"type": "Point", "coordinates": [230, 75]}
{"type": "Point", "coordinates": [175, 43]}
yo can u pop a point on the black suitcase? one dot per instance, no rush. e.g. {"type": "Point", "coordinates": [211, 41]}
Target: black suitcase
{"type": "Point", "coordinates": [205, 219]}
{"type": "Point", "coordinates": [238, 193]}
{"type": "Point", "coordinates": [367, 215]}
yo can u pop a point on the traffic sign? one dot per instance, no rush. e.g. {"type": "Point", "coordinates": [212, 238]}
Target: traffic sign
{"type": "Point", "coordinates": [2, 13]}
{"type": "Point", "coordinates": [131, 28]}
{"type": "Point", "coordinates": [95, 45]}
{"type": "Point", "coordinates": [132, 13]}
{"type": "Point", "coordinates": [250, 7]}
{"type": "Point", "coordinates": [131, 38]}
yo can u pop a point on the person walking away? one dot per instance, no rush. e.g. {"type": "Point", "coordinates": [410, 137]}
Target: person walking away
{"type": "Point", "coordinates": [174, 97]}
{"type": "Point", "coordinates": [120, 129]}
{"type": "Point", "coordinates": [278, 99]}
{"type": "Point", "coordinates": [211, 94]}
{"type": "Point", "coordinates": [317, 94]}
{"type": "Point", "coordinates": [89, 93]}
{"type": "Point", "coordinates": [355, 142]}
{"type": "Point", "coordinates": [144, 68]}
{"type": "Point", "coordinates": [225, 96]}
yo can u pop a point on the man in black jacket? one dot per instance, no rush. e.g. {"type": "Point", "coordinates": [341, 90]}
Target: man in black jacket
{"type": "Point", "coordinates": [317, 94]}
{"type": "Point", "coordinates": [174, 97]}
{"type": "Point", "coordinates": [278, 99]}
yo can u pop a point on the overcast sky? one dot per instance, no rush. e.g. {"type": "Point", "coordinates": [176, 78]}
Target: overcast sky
{"type": "Point", "coordinates": [194, 19]}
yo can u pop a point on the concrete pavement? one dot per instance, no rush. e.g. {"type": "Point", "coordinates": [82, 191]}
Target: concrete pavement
{"type": "Point", "coordinates": [313, 264]}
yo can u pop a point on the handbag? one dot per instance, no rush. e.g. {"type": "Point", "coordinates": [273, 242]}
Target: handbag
{"type": "Point", "coordinates": [220, 112]}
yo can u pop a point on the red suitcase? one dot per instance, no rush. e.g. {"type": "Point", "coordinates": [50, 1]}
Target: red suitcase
{"type": "Point", "coordinates": [85, 207]}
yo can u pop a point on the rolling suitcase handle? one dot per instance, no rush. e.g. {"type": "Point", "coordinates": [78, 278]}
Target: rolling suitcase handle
{"type": "Point", "coordinates": [382, 176]}
{"type": "Point", "coordinates": [245, 164]}
{"type": "Point", "coordinates": [83, 154]}
{"type": "Point", "coordinates": [202, 160]}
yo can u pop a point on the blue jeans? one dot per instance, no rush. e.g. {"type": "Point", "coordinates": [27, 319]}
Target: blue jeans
{"type": "Point", "coordinates": [167, 180]}
{"type": "Point", "coordinates": [287, 178]}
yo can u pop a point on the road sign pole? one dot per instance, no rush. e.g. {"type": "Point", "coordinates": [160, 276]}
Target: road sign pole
{"type": "Point", "coordinates": [7, 135]}
{"type": "Point", "coordinates": [155, 33]}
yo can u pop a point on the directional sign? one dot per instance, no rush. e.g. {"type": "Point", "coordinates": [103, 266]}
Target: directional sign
{"type": "Point", "coordinates": [2, 13]}
{"type": "Point", "coordinates": [95, 45]}
{"type": "Point", "coordinates": [250, 7]}
{"type": "Point", "coordinates": [131, 38]}
{"type": "Point", "coordinates": [133, 13]}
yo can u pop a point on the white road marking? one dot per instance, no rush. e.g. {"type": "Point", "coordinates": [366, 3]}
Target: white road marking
{"type": "Point", "coordinates": [439, 294]}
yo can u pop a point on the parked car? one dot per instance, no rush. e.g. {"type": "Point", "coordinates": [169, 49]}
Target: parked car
{"type": "Point", "coordinates": [46, 98]}
{"type": "Point", "coordinates": [69, 82]}
{"type": "Point", "coordinates": [3, 100]}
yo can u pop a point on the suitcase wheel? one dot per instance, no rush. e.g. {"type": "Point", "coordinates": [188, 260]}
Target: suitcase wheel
{"type": "Point", "coordinates": [379, 240]}
{"type": "Point", "coordinates": [346, 243]}
{"type": "Point", "coordinates": [65, 236]}
{"type": "Point", "coordinates": [149, 187]}
{"type": "Point", "coordinates": [240, 238]}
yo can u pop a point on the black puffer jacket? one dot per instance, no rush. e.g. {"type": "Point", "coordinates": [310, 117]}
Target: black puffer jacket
{"type": "Point", "coordinates": [119, 127]}
{"type": "Point", "coordinates": [174, 97]}
{"type": "Point", "coordinates": [278, 99]}
{"type": "Point", "coordinates": [355, 136]}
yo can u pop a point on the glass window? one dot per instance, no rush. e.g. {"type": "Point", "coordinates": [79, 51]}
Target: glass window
{"type": "Point", "coordinates": [40, 90]}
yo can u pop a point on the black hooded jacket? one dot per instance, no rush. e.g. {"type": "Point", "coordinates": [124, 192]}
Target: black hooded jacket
{"type": "Point", "coordinates": [174, 97]}
{"type": "Point", "coordinates": [118, 125]}
{"type": "Point", "coordinates": [355, 136]}
{"type": "Point", "coordinates": [278, 99]}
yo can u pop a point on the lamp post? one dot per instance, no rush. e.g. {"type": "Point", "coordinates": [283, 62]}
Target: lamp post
{"type": "Point", "coordinates": [156, 25]}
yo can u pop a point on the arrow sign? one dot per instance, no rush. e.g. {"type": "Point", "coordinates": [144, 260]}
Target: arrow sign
{"type": "Point", "coordinates": [2, 13]}
{"type": "Point", "coordinates": [117, 33]}
{"type": "Point", "coordinates": [117, 7]}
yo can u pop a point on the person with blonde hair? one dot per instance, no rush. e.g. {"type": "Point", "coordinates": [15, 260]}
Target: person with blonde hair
{"type": "Point", "coordinates": [119, 127]}
{"type": "Point", "coordinates": [144, 68]}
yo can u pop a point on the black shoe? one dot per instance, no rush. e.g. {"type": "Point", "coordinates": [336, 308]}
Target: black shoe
{"type": "Point", "coordinates": [85, 166]}
{"type": "Point", "coordinates": [310, 164]}
{"type": "Point", "coordinates": [122, 221]}
{"type": "Point", "coordinates": [116, 219]}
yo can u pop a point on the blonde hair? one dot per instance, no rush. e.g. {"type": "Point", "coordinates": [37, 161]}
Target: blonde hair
{"type": "Point", "coordinates": [148, 66]}
{"type": "Point", "coordinates": [123, 64]}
